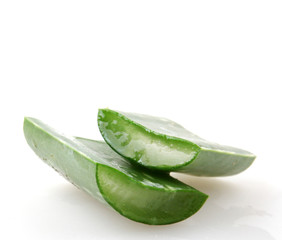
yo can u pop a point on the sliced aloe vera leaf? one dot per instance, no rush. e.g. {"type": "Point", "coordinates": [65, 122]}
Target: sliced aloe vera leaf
{"type": "Point", "coordinates": [135, 192]}
{"type": "Point", "coordinates": [159, 143]}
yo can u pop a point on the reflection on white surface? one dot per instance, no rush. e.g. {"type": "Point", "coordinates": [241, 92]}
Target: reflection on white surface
{"type": "Point", "coordinates": [68, 212]}
{"type": "Point", "coordinates": [225, 223]}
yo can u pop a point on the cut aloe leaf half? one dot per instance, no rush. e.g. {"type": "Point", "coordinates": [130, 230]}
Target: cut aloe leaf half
{"type": "Point", "coordinates": [135, 192]}
{"type": "Point", "coordinates": [159, 143]}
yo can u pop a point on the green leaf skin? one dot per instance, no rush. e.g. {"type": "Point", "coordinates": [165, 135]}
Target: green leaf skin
{"type": "Point", "coordinates": [134, 192]}
{"type": "Point", "coordinates": [161, 144]}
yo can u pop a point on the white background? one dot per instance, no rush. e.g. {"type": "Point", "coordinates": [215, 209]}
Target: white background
{"type": "Point", "coordinates": [212, 66]}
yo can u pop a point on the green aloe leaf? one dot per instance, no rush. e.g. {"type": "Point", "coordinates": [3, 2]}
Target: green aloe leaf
{"type": "Point", "coordinates": [136, 193]}
{"type": "Point", "coordinates": [162, 144]}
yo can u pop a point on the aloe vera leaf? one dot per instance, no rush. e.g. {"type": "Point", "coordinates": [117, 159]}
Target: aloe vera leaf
{"type": "Point", "coordinates": [159, 143]}
{"type": "Point", "coordinates": [134, 192]}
